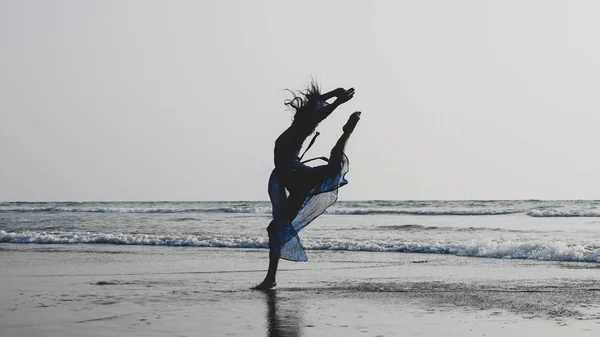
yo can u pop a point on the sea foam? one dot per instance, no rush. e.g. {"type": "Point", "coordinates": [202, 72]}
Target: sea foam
{"type": "Point", "coordinates": [158, 210]}
{"type": "Point", "coordinates": [257, 210]}
{"type": "Point", "coordinates": [531, 250]}
{"type": "Point", "coordinates": [566, 213]}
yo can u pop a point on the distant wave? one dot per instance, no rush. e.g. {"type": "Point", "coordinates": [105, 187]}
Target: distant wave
{"type": "Point", "coordinates": [257, 210]}
{"type": "Point", "coordinates": [550, 251]}
{"type": "Point", "coordinates": [26, 209]}
{"type": "Point", "coordinates": [138, 209]}
{"type": "Point", "coordinates": [567, 213]}
{"type": "Point", "coordinates": [363, 208]}
{"type": "Point", "coordinates": [411, 227]}
{"type": "Point", "coordinates": [417, 228]}
{"type": "Point", "coordinates": [185, 219]}
{"type": "Point", "coordinates": [368, 211]}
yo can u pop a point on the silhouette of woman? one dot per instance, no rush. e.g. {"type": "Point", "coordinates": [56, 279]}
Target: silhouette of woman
{"type": "Point", "coordinates": [311, 189]}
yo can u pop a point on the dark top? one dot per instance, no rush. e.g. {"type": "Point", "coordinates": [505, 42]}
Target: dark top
{"type": "Point", "coordinates": [289, 143]}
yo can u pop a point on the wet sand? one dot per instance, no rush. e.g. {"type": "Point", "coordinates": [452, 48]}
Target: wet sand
{"type": "Point", "coordinates": [102, 290]}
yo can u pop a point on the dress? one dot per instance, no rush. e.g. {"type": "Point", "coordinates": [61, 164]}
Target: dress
{"type": "Point", "coordinates": [311, 189]}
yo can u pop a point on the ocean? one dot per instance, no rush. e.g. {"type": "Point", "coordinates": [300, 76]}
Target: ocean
{"type": "Point", "coordinates": [522, 229]}
{"type": "Point", "coordinates": [376, 268]}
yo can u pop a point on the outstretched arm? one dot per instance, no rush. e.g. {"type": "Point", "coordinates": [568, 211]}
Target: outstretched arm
{"type": "Point", "coordinates": [332, 93]}
{"type": "Point", "coordinates": [339, 92]}
{"type": "Point", "coordinates": [342, 96]}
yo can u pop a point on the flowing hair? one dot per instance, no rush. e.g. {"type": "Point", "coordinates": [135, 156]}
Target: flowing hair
{"type": "Point", "coordinates": [304, 102]}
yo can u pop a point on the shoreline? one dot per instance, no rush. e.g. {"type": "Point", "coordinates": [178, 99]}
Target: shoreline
{"type": "Point", "coordinates": [69, 290]}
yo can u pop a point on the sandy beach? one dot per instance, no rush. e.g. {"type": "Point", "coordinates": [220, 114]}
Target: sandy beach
{"type": "Point", "coordinates": [91, 290]}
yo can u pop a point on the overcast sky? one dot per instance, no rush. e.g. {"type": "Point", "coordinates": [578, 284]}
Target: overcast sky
{"type": "Point", "coordinates": [182, 100]}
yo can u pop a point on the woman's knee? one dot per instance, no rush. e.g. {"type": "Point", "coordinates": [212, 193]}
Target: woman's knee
{"type": "Point", "coordinates": [335, 162]}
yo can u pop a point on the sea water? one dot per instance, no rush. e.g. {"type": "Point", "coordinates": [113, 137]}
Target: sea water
{"type": "Point", "coordinates": [524, 229]}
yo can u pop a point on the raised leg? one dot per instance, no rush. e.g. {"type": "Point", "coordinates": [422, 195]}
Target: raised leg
{"type": "Point", "coordinates": [340, 146]}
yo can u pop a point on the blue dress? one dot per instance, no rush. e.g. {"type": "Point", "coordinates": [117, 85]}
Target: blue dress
{"type": "Point", "coordinates": [311, 189]}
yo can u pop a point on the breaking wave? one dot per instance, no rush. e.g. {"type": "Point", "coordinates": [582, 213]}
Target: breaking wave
{"type": "Point", "coordinates": [539, 250]}
{"type": "Point", "coordinates": [535, 209]}
{"type": "Point", "coordinates": [129, 239]}
{"type": "Point", "coordinates": [419, 228]}
{"type": "Point", "coordinates": [240, 209]}
{"type": "Point", "coordinates": [368, 211]}
{"type": "Point", "coordinates": [256, 210]}
{"type": "Point", "coordinates": [566, 213]}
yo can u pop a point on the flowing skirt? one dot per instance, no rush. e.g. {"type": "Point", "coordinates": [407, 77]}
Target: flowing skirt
{"type": "Point", "coordinates": [283, 232]}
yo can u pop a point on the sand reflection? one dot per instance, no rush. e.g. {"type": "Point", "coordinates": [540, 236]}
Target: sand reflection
{"type": "Point", "coordinates": [284, 315]}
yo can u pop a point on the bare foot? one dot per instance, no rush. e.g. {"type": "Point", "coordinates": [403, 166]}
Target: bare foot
{"type": "Point", "coordinates": [265, 285]}
{"type": "Point", "coordinates": [351, 123]}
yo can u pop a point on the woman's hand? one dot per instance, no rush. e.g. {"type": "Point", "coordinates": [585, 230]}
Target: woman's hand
{"type": "Point", "coordinates": [343, 95]}
{"type": "Point", "coordinates": [337, 92]}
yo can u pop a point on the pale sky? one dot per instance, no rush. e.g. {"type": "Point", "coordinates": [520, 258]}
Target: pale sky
{"type": "Point", "coordinates": [182, 100]}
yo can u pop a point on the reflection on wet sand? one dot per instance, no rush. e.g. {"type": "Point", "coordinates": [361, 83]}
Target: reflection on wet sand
{"type": "Point", "coordinates": [284, 315]}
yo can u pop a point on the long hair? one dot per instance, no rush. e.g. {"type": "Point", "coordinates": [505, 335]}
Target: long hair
{"type": "Point", "coordinates": [304, 102]}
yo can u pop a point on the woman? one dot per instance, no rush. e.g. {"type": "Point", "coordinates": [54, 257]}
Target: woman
{"type": "Point", "coordinates": [311, 189]}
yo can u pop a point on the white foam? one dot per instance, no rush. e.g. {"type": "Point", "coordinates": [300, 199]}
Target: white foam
{"type": "Point", "coordinates": [25, 209]}
{"type": "Point", "coordinates": [533, 250]}
{"type": "Point", "coordinates": [548, 213]}
{"type": "Point", "coordinates": [129, 239]}
{"type": "Point", "coordinates": [551, 251]}
{"type": "Point", "coordinates": [258, 210]}
{"type": "Point", "coordinates": [417, 211]}
{"type": "Point", "coordinates": [261, 210]}
{"type": "Point", "coordinates": [432, 208]}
